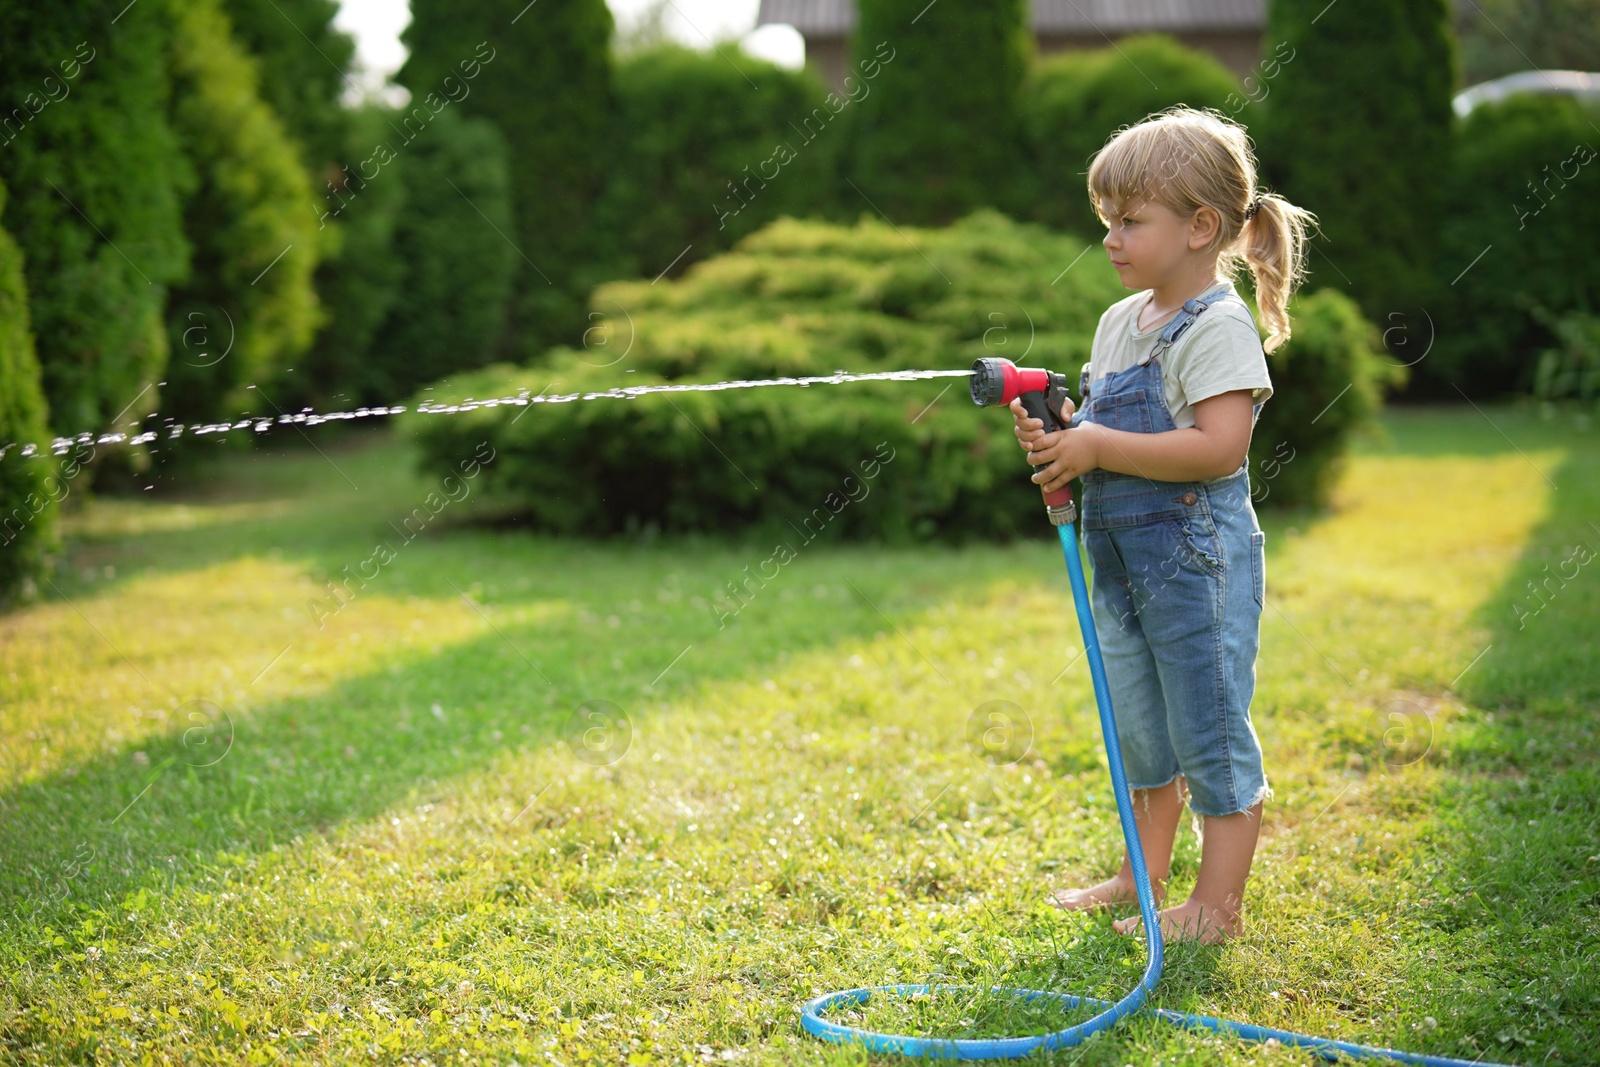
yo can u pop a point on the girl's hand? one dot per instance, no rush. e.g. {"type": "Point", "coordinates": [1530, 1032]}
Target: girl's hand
{"type": "Point", "coordinates": [1029, 429]}
{"type": "Point", "coordinates": [1063, 455]}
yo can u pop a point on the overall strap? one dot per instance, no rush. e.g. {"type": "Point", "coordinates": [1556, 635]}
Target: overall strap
{"type": "Point", "coordinates": [1184, 319]}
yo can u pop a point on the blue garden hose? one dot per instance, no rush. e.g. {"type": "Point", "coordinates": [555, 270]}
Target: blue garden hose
{"type": "Point", "coordinates": [1014, 1047]}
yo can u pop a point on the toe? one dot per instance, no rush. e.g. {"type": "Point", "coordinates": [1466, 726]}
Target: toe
{"type": "Point", "coordinates": [1070, 899]}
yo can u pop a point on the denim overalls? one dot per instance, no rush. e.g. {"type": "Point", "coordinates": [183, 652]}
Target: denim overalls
{"type": "Point", "coordinates": [1179, 584]}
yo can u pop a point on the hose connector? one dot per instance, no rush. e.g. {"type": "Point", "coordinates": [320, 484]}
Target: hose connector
{"type": "Point", "coordinates": [1062, 514]}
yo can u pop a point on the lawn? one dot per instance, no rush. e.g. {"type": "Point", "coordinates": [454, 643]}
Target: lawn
{"type": "Point", "coordinates": [496, 797]}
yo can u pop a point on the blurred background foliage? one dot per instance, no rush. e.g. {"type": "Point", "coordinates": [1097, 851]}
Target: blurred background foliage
{"type": "Point", "coordinates": [1500, 37]}
{"type": "Point", "coordinates": [1354, 127]}
{"type": "Point", "coordinates": [939, 134]}
{"type": "Point", "coordinates": [31, 489]}
{"type": "Point", "coordinates": [1517, 184]}
{"type": "Point", "coordinates": [252, 243]}
{"type": "Point", "coordinates": [692, 144]}
{"type": "Point", "coordinates": [547, 83]}
{"type": "Point", "coordinates": [1072, 101]}
{"type": "Point", "coordinates": [199, 227]}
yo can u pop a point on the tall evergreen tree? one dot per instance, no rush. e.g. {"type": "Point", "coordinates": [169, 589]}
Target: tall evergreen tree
{"type": "Point", "coordinates": [30, 488]}
{"type": "Point", "coordinates": [95, 179]}
{"type": "Point", "coordinates": [543, 76]}
{"type": "Point", "coordinates": [451, 299]}
{"type": "Point", "coordinates": [303, 61]}
{"type": "Point", "coordinates": [358, 281]}
{"type": "Point", "coordinates": [248, 305]}
{"type": "Point", "coordinates": [939, 132]}
{"type": "Point", "coordinates": [698, 159]}
{"type": "Point", "coordinates": [1355, 128]}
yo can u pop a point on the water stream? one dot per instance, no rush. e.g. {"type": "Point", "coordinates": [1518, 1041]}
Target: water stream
{"type": "Point", "coordinates": [60, 446]}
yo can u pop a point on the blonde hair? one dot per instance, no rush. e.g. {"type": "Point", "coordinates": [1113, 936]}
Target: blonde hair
{"type": "Point", "coordinates": [1185, 159]}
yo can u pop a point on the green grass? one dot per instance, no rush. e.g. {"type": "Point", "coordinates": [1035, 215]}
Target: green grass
{"type": "Point", "coordinates": [232, 835]}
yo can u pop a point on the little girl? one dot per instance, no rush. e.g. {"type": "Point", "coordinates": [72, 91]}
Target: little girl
{"type": "Point", "coordinates": [1176, 379]}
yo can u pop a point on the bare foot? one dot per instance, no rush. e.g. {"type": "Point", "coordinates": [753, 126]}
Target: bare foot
{"type": "Point", "coordinates": [1118, 889]}
{"type": "Point", "coordinates": [1190, 921]}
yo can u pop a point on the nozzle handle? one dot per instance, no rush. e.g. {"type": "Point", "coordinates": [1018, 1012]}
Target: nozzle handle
{"type": "Point", "coordinates": [1034, 404]}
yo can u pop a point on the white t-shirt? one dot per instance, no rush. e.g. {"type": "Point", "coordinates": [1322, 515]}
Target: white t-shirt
{"type": "Point", "coordinates": [1219, 352]}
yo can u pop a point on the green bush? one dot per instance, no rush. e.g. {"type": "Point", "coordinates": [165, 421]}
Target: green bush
{"type": "Point", "coordinates": [809, 298]}
{"type": "Point", "coordinates": [1328, 382]}
{"type": "Point", "coordinates": [796, 298]}
{"type": "Point", "coordinates": [29, 493]}
{"type": "Point", "coordinates": [1520, 200]}
{"type": "Point", "coordinates": [1570, 370]}
{"type": "Point", "coordinates": [1354, 129]}
{"type": "Point", "coordinates": [938, 135]}
{"type": "Point", "coordinates": [1072, 103]}
{"type": "Point", "coordinates": [704, 152]}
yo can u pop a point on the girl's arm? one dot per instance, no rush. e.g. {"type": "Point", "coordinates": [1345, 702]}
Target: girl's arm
{"type": "Point", "coordinates": [1215, 446]}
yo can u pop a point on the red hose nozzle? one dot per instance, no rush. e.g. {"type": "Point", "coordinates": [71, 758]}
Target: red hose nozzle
{"type": "Point", "coordinates": [999, 381]}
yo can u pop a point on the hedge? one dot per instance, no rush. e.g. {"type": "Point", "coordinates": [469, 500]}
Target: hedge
{"type": "Point", "coordinates": [450, 304]}
{"type": "Point", "coordinates": [1328, 383]}
{"type": "Point", "coordinates": [248, 308]}
{"type": "Point", "coordinates": [358, 281]}
{"type": "Point", "coordinates": [1072, 103]}
{"type": "Point", "coordinates": [30, 490]}
{"type": "Point", "coordinates": [1522, 208]}
{"type": "Point", "coordinates": [544, 78]}
{"type": "Point", "coordinates": [936, 133]}
{"type": "Point", "coordinates": [705, 149]}
{"type": "Point", "coordinates": [1354, 128]}
{"type": "Point", "coordinates": [302, 58]}
{"type": "Point", "coordinates": [94, 174]}
{"type": "Point", "coordinates": [808, 298]}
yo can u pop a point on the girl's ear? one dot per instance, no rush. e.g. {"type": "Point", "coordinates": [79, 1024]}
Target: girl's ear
{"type": "Point", "coordinates": [1204, 225]}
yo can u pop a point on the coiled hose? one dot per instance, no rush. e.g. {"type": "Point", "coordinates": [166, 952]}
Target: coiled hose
{"type": "Point", "coordinates": [1014, 1047]}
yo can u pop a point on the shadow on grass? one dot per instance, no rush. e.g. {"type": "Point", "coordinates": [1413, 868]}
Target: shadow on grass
{"type": "Point", "coordinates": [1512, 872]}
{"type": "Point", "coordinates": [316, 502]}
{"type": "Point", "coordinates": [593, 622]}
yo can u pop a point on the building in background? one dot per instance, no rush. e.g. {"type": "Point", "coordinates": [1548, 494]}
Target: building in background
{"type": "Point", "coordinates": [1230, 30]}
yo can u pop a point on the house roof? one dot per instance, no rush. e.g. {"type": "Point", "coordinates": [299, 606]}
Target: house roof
{"type": "Point", "coordinates": [836, 18]}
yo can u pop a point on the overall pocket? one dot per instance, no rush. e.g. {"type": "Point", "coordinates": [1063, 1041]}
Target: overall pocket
{"type": "Point", "coordinates": [1196, 544]}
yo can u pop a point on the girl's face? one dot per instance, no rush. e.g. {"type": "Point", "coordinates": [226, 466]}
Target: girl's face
{"type": "Point", "coordinates": [1148, 243]}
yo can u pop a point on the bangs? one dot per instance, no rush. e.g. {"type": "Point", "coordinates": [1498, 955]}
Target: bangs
{"type": "Point", "coordinates": [1131, 167]}
{"type": "Point", "coordinates": [1180, 159]}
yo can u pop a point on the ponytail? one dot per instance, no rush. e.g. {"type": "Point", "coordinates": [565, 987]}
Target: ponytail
{"type": "Point", "coordinates": [1273, 246]}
